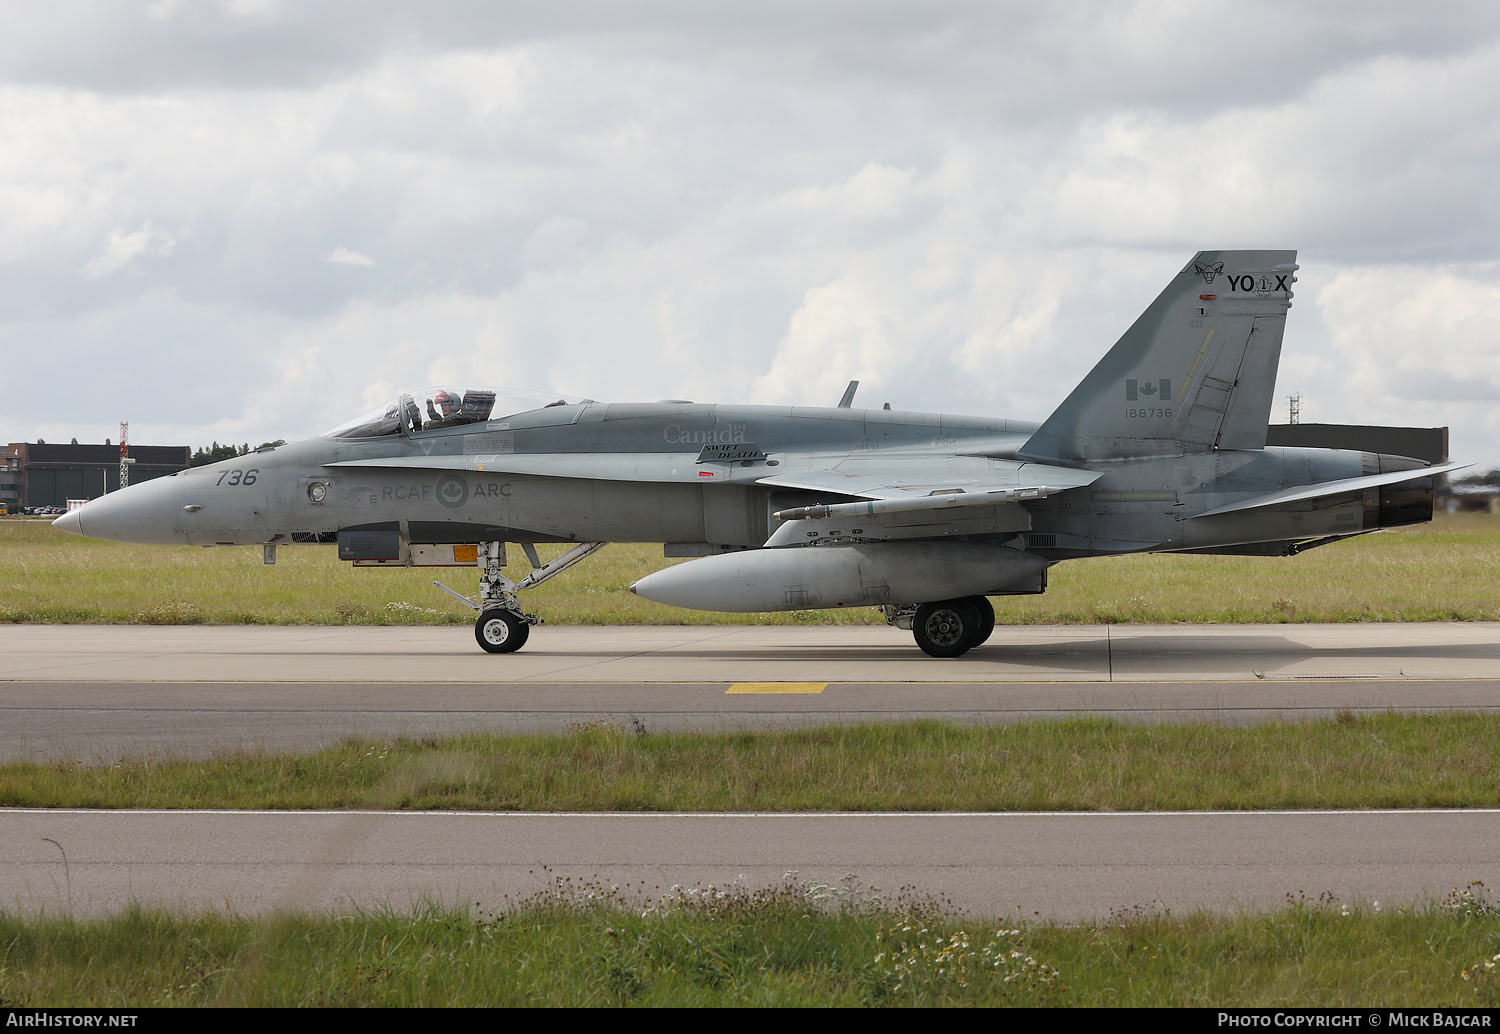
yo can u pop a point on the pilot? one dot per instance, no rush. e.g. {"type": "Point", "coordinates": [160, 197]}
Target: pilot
{"type": "Point", "coordinates": [450, 405]}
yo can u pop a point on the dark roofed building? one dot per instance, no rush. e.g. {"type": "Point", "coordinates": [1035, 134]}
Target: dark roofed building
{"type": "Point", "coordinates": [50, 475]}
{"type": "Point", "coordinates": [1420, 443]}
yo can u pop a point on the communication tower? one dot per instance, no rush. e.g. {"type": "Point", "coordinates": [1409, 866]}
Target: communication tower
{"type": "Point", "coordinates": [1296, 406]}
{"type": "Point", "coordinates": [124, 453]}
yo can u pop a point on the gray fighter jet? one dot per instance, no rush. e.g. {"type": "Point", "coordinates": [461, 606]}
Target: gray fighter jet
{"type": "Point", "coordinates": [1161, 448]}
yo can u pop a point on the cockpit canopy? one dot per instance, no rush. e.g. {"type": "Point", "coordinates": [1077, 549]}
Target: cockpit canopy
{"type": "Point", "coordinates": [439, 406]}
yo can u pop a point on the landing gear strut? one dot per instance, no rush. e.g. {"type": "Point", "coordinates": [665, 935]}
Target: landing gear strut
{"type": "Point", "coordinates": [502, 626]}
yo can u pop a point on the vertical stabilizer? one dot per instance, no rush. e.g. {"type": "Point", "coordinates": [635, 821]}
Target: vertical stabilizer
{"type": "Point", "coordinates": [1194, 373]}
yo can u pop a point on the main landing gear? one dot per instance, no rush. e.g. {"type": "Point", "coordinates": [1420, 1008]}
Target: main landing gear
{"type": "Point", "coordinates": [502, 626]}
{"type": "Point", "coordinates": [948, 628]}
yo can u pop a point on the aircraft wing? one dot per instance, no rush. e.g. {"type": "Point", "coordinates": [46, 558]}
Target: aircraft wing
{"type": "Point", "coordinates": [888, 477]}
{"type": "Point", "coordinates": [884, 475]}
{"type": "Point", "coordinates": [1327, 488]}
{"type": "Point", "coordinates": [917, 497]}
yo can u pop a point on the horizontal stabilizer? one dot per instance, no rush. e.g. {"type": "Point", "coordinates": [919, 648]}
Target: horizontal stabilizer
{"type": "Point", "coordinates": [1328, 488]}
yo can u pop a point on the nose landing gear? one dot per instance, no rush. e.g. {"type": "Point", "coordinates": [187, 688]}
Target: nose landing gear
{"type": "Point", "coordinates": [502, 626]}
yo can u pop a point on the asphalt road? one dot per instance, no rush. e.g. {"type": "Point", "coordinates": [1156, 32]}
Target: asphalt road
{"type": "Point", "coordinates": [101, 722]}
{"type": "Point", "coordinates": [1060, 866]}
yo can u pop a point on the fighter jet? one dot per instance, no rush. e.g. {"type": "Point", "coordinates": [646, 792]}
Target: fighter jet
{"type": "Point", "coordinates": [1160, 448]}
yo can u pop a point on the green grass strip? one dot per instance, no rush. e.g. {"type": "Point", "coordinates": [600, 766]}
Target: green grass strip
{"type": "Point", "coordinates": [1449, 760]}
{"type": "Point", "coordinates": [798, 944]}
{"type": "Point", "coordinates": [1443, 571]}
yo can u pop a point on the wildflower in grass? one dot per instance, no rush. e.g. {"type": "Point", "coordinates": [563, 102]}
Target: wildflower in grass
{"type": "Point", "coordinates": [402, 607]}
{"type": "Point", "coordinates": [1481, 969]}
{"type": "Point", "coordinates": [936, 964]}
{"type": "Point", "coordinates": [1483, 979]}
{"type": "Point", "coordinates": [1470, 901]}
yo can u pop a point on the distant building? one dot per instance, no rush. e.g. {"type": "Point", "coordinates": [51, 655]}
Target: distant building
{"type": "Point", "coordinates": [1422, 443]}
{"type": "Point", "coordinates": [10, 477]}
{"type": "Point", "coordinates": [1470, 497]}
{"type": "Point", "coordinates": [50, 475]}
{"type": "Point", "coordinates": [1470, 493]}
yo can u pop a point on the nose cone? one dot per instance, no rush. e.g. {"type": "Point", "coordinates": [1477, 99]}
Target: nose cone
{"type": "Point", "coordinates": [148, 512]}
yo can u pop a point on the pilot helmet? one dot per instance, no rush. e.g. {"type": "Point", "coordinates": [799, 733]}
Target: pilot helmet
{"type": "Point", "coordinates": [446, 400]}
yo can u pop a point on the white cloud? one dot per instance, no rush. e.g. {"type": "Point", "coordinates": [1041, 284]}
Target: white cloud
{"type": "Point", "coordinates": [342, 256]}
{"type": "Point", "coordinates": [1417, 335]}
{"type": "Point", "coordinates": [1398, 344]}
{"type": "Point", "coordinates": [121, 248]}
{"type": "Point", "coordinates": [1371, 158]}
{"type": "Point", "coordinates": [961, 204]}
{"type": "Point", "coordinates": [837, 334]}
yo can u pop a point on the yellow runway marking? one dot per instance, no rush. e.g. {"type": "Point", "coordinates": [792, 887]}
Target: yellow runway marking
{"type": "Point", "coordinates": [777, 687]}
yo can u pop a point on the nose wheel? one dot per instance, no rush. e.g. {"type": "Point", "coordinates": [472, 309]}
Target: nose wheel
{"type": "Point", "coordinates": [502, 627]}
{"type": "Point", "coordinates": [501, 631]}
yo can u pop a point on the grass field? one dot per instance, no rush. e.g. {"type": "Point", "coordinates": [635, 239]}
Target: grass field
{"type": "Point", "coordinates": [799, 944]}
{"type": "Point", "coordinates": [1445, 571]}
{"type": "Point", "coordinates": [1382, 761]}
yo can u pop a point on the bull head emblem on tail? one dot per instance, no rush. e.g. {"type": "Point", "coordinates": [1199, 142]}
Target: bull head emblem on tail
{"type": "Point", "coordinates": [1208, 272]}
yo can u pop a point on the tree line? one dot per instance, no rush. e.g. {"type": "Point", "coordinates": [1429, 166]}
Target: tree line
{"type": "Point", "coordinates": [216, 452]}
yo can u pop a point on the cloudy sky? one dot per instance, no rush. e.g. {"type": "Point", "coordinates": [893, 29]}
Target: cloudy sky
{"type": "Point", "coordinates": [250, 219]}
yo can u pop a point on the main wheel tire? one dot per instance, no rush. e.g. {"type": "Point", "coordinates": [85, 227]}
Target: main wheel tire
{"type": "Point", "coordinates": [500, 631]}
{"type": "Point", "coordinates": [986, 618]}
{"type": "Point", "coordinates": [946, 629]}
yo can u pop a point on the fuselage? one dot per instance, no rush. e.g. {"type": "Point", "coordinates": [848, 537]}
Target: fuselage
{"type": "Point", "coordinates": [534, 477]}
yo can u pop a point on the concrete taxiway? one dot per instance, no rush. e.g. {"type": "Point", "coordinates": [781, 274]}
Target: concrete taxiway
{"type": "Point", "coordinates": [96, 693]}
{"type": "Point", "coordinates": [746, 653]}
